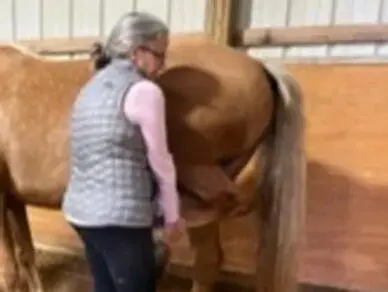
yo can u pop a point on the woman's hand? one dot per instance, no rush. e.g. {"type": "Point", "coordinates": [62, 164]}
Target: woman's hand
{"type": "Point", "coordinates": [174, 231]}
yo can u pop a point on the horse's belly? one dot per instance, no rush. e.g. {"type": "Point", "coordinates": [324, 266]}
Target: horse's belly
{"type": "Point", "coordinates": [48, 198]}
{"type": "Point", "coordinates": [35, 187]}
{"type": "Point", "coordinates": [38, 171]}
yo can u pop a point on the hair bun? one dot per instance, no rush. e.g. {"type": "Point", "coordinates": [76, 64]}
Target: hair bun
{"type": "Point", "coordinates": [97, 49]}
{"type": "Point", "coordinates": [99, 56]}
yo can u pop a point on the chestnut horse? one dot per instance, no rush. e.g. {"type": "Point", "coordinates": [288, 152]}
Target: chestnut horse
{"type": "Point", "coordinates": [225, 111]}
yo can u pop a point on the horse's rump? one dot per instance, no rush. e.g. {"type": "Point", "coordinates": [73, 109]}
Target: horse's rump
{"type": "Point", "coordinates": [223, 95]}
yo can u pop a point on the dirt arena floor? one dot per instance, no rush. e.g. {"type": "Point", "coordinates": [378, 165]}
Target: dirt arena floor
{"type": "Point", "coordinates": [64, 270]}
{"type": "Point", "coordinates": [68, 273]}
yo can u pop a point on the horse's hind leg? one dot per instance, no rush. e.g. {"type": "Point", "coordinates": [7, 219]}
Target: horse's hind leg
{"type": "Point", "coordinates": [11, 275]}
{"type": "Point", "coordinates": [25, 252]}
{"type": "Point", "coordinates": [205, 243]}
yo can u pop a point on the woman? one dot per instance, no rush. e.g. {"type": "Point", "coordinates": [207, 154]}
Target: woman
{"type": "Point", "coordinates": [118, 146]}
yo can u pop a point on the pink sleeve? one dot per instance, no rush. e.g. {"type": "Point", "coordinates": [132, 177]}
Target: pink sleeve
{"type": "Point", "coordinates": [145, 106]}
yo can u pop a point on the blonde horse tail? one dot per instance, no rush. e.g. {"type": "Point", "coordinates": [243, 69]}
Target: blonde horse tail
{"type": "Point", "coordinates": [281, 197]}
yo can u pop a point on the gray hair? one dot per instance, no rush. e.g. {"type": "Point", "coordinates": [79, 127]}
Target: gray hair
{"type": "Point", "coordinates": [131, 31]}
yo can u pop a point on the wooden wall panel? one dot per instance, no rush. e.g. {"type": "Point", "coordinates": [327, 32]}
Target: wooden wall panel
{"type": "Point", "coordinates": [346, 242]}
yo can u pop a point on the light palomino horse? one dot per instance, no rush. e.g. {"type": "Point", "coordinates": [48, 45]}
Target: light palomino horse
{"type": "Point", "coordinates": [225, 111]}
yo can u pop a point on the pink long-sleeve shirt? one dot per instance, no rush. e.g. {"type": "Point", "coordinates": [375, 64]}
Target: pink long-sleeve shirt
{"type": "Point", "coordinates": [144, 105]}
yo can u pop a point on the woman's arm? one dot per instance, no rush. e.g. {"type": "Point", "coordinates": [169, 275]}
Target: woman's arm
{"type": "Point", "coordinates": [145, 106]}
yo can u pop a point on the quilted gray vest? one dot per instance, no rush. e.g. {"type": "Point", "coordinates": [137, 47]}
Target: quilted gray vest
{"type": "Point", "coordinates": [110, 180]}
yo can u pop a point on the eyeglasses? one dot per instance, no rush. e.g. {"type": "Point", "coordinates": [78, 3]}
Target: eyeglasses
{"type": "Point", "coordinates": [158, 55]}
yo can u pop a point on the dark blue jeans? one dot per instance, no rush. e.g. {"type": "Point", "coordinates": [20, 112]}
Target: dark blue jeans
{"type": "Point", "coordinates": [120, 259]}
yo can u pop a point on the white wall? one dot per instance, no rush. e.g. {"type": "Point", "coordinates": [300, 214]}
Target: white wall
{"type": "Point", "coordinates": [23, 19]}
{"type": "Point", "coordinates": [32, 19]}
{"type": "Point", "coordinates": [275, 13]}
{"type": "Point", "coordinates": [39, 19]}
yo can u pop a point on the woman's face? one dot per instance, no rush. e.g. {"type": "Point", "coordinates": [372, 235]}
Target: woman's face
{"type": "Point", "coordinates": [150, 57]}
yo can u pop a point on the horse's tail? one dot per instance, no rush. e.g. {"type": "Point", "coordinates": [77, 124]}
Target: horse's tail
{"type": "Point", "coordinates": [282, 187]}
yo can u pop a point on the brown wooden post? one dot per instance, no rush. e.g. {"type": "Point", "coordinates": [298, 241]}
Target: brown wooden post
{"type": "Point", "coordinates": [219, 20]}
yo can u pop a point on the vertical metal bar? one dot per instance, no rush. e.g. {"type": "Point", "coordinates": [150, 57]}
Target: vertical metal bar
{"type": "Point", "coordinates": [101, 18]}
{"type": "Point", "coordinates": [71, 18]}
{"type": "Point", "coordinates": [287, 21]}
{"type": "Point", "coordinates": [41, 19]}
{"type": "Point", "coordinates": [380, 17]}
{"type": "Point", "coordinates": [333, 18]}
{"type": "Point", "coordinates": [71, 23]}
{"type": "Point", "coordinates": [14, 20]}
{"type": "Point", "coordinates": [381, 12]}
{"type": "Point", "coordinates": [169, 12]}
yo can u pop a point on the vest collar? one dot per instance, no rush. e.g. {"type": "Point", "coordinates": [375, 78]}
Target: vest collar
{"type": "Point", "coordinates": [126, 64]}
{"type": "Point", "coordinates": [122, 63]}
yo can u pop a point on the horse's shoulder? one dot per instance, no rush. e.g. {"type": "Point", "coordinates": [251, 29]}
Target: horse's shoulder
{"type": "Point", "coordinates": [12, 55]}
